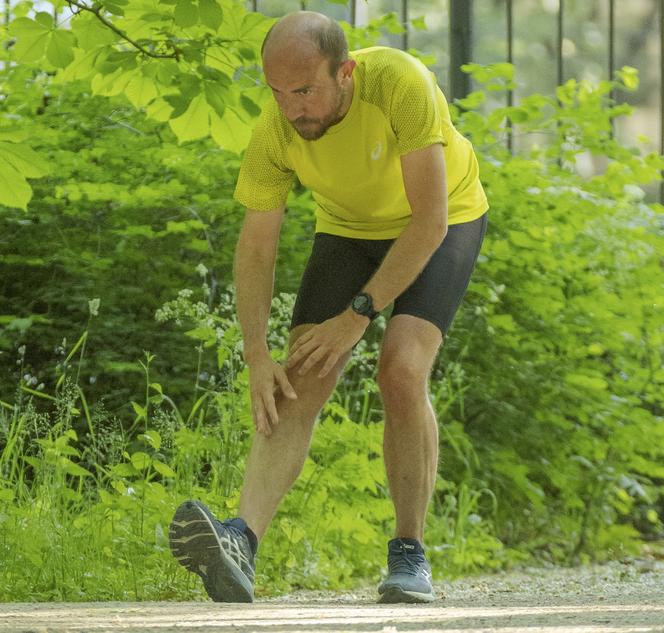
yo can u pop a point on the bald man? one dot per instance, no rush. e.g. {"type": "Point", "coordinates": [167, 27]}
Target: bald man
{"type": "Point", "coordinates": [400, 218]}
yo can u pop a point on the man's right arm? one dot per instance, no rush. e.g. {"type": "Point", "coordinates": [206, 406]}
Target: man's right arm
{"type": "Point", "coordinates": [255, 258]}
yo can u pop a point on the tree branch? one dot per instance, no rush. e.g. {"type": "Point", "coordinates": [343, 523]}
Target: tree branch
{"type": "Point", "coordinates": [97, 13]}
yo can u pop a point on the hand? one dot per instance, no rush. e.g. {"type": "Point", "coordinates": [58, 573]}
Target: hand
{"type": "Point", "coordinates": [265, 377]}
{"type": "Point", "coordinates": [327, 342]}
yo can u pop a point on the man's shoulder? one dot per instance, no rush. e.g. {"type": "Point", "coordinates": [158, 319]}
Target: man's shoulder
{"type": "Point", "coordinates": [388, 71]}
{"type": "Point", "coordinates": [385, 60]}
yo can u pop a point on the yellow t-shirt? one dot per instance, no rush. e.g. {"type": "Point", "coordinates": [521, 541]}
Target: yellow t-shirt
{"type": "Point", "coordinates": [354, 169]}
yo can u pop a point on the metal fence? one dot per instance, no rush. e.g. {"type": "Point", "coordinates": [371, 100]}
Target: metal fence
{"type": "Point", "coordinates": [462, 19]}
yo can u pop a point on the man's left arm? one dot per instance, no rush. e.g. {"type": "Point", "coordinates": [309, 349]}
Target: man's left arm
{"type": "Point", "coordinates": [426, 189]}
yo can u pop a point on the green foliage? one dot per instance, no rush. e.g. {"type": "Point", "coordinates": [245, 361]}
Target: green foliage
{"type": "Point", "coordinates": [565, 342]}
{"type": "Point", "coordinates": [549, 390]}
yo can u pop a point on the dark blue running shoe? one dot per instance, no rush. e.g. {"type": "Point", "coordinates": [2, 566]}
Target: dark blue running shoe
{"type": "Point", "coordinates": [409, 578]}
{"type": "Point", "coordinates": [218, 551]}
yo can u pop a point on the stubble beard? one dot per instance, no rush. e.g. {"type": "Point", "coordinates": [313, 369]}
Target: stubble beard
{"type": "Point", "coordinates": [320, 126]}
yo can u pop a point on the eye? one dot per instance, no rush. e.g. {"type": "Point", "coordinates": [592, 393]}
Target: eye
{"type": "Point", "coordinates": [304, 91]}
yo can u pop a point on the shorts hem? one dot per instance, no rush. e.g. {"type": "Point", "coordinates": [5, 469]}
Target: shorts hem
{"type": "Point", "coordinates": [425, 317]}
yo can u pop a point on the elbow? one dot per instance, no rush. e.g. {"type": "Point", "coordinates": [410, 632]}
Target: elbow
{"type": "Point", "coordinates": [438, 228]}
{"type": "Point", "coordinates": [441, 232]}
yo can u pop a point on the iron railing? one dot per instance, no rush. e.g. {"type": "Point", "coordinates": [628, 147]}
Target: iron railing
{"type": "Point", "coordinates": [461, 46]}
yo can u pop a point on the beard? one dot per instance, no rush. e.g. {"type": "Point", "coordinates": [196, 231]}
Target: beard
{"type": "Point", "coordinates": [312, 129]}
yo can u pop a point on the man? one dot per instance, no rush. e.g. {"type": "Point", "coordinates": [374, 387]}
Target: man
{"type": "Point", "coordinates": [370, 135]}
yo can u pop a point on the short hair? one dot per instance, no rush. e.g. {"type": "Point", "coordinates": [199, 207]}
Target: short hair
{"type": "Point", "coordinates": [330, 40]}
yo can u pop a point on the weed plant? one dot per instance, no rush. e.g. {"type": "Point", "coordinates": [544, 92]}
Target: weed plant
{"type": "Point", "coordinates": [548, 393]}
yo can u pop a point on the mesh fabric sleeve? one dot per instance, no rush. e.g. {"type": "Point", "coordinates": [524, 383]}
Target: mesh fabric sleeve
{"type": "Point", "coordinates": [414, 112]}
{"type": "Point", "coordinates": [265, 177]}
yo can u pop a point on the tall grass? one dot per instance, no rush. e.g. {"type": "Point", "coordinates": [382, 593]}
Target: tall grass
{"type": "Point", "coordinates": [86, 497]}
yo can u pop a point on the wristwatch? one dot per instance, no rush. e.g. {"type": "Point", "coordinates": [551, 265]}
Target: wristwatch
{"type": "Point", "coordinates": [362, 304]}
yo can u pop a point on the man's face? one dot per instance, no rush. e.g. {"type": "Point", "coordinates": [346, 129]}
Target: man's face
{"type": "Point", "coordinates": [307, 95]}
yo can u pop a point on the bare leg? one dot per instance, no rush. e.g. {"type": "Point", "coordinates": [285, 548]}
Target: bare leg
{"type": "Point", "coordinates": [275, 462]}
{"type": "Point", "coordinates": [410, 443]}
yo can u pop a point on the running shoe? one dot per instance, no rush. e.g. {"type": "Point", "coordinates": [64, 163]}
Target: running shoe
{"type": "Point", "coordinates": [409, 578]}
{"type": "Point", "coordinates": [218, 551]}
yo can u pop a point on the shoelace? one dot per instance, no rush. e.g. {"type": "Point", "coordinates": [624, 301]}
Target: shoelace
{"type": "Point", "coordinates": [405, 563]}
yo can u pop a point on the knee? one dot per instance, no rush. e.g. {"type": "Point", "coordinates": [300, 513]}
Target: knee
{"type": "Point", "coordinates": [402, 380]}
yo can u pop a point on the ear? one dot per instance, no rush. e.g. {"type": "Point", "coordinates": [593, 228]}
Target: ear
{"type": "Point", "coordinates": [346, 70]}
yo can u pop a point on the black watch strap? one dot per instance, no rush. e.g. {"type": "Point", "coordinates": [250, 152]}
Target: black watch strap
{"type": "Point", "coordinates": [362, 304]}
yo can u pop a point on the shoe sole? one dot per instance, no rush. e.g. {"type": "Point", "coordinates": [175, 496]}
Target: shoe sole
{"type": "Point", "coordinates": [196, 545]}
{"type": "Point", "coordinates": [393, 595]}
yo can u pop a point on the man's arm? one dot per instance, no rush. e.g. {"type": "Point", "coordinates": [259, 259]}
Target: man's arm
{"type": "Point", "coordinates": [255, 258]}
{"type": "Point", "coordinates": [426, 189]}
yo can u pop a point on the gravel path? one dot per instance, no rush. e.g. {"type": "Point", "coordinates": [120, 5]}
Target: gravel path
{"type": "Point", "coordinates": [616, 598]}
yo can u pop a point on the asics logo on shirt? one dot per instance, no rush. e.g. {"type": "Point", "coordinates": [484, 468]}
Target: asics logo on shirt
{"type": "Point", "coordinates": [377, 151]}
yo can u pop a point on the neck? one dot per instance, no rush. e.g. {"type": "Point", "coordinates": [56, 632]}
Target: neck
{"type": "Point", "coordinates": [348, 99]}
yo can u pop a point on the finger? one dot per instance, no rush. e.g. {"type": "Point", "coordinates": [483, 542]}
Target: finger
{"type": "Point", "coordinates": [313, 359]}
{"type": "Point", "coordinates": [300, 340]}
{"type": "Point", "coordinates": [303, 350]}
{"type": "Point", "coordinates": [329, 365]}
{"type": "Point", "coordinates": [271, 410]}
{"type": "Point", "coordinates": [259, 419]}
{"type": "Point", "coordinates": [284, 384]}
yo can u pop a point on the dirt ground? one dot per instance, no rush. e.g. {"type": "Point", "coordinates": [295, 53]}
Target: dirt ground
{"type": "Point", "coordinates": [617, 598]}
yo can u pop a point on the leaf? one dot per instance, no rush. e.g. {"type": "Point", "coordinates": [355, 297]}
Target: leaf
{"type": "Point", "coordinates": [140, 91]}
{"type": "Point", "coordinates": [215, 95]}
{"type": "Point", "coordinates": [82, 67]}
{"type": "Point", "coordinates": [152, 438]}
{"type": "Point", "coordinates": [24, 159]}
{"type": "Point", "coordinates": [15, 192]}
{"type": "Point", "coordinates": [139, 410]}
{"type": "Point", "coordinates": [140, 460]}
{"type": "Point", "coordinates": [186, 14]}
{"type": "Point", "coordinates": [124, 470]}
{"type": "Point", "coordinates": [90, 33]}
{"type": "Point", "coordinates": [32, 38]}
{"type": "Point", "coordinates": [45, 20]}
{"type": "Point", "coordinates": [74, 469]}
{"type": "Point", "coordinates": [249, 106]}
{"type": "Point", "coordinates": [60, 49]}
{"type": "Point", "coordinates": [211, 13]}
{"type": "Point", "coordinates": [202, 333]}
{"type": "Point", "coordinates": [159, 110]}
{"type": "Point", "coordinates": [419, 23]}
{"type": "Point", "coordinates": [229, 131]}
{"type": "Point", "coordinates": [584, 381]}
{"type": "Point", "coordinates": [163, 469]}
{"type": "Point", "coordinates": [194, 123]}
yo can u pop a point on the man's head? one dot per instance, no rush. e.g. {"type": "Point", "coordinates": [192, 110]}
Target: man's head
{"type": "Point", "coordinates": [305, 59]}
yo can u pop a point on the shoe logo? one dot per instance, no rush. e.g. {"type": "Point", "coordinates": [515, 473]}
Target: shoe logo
{"type": "Point", "coordinates": [377, 151]}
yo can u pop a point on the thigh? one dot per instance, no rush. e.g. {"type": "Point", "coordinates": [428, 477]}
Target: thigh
{"type": "Point", "coordinates": [437, 292]}
{"type": "Point", "coordinates": [338, 268]}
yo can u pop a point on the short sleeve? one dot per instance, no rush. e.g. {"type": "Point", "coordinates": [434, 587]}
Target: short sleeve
{"type": "Point", "coordinates": [414, 109]}
{"type": "Point", "coordinates": [265, 178]}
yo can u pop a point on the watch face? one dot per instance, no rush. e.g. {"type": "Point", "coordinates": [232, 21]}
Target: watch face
{"type": "Point", "coordinates": [361, 304]}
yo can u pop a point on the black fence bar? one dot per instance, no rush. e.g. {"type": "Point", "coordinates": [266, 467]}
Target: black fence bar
{"type": "Point", "coordinates": [254, 5]}
{"type": "Point", "coordinates": [612, 52]}
{"type": "Point", "coordinates": [404, 21]}
{"type": "Point", "coordinates": [510, 59]}
{"type": "Point", "coordinates": [461, 13]}
{"type": "Point", "coordinates": [661, 92]}
{"type": "Point", "coordinates": [353, 12]}
{"type": "Point", "coordinates": [612, 38]}
{"type": "Point", "coordinates": [559, 56]}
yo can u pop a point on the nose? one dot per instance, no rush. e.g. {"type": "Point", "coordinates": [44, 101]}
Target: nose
{"type": "Point", "coordinates": [290, 108]}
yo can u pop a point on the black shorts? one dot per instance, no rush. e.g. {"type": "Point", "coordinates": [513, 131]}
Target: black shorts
{"type": "Point", "coordinates": [339, 267]}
